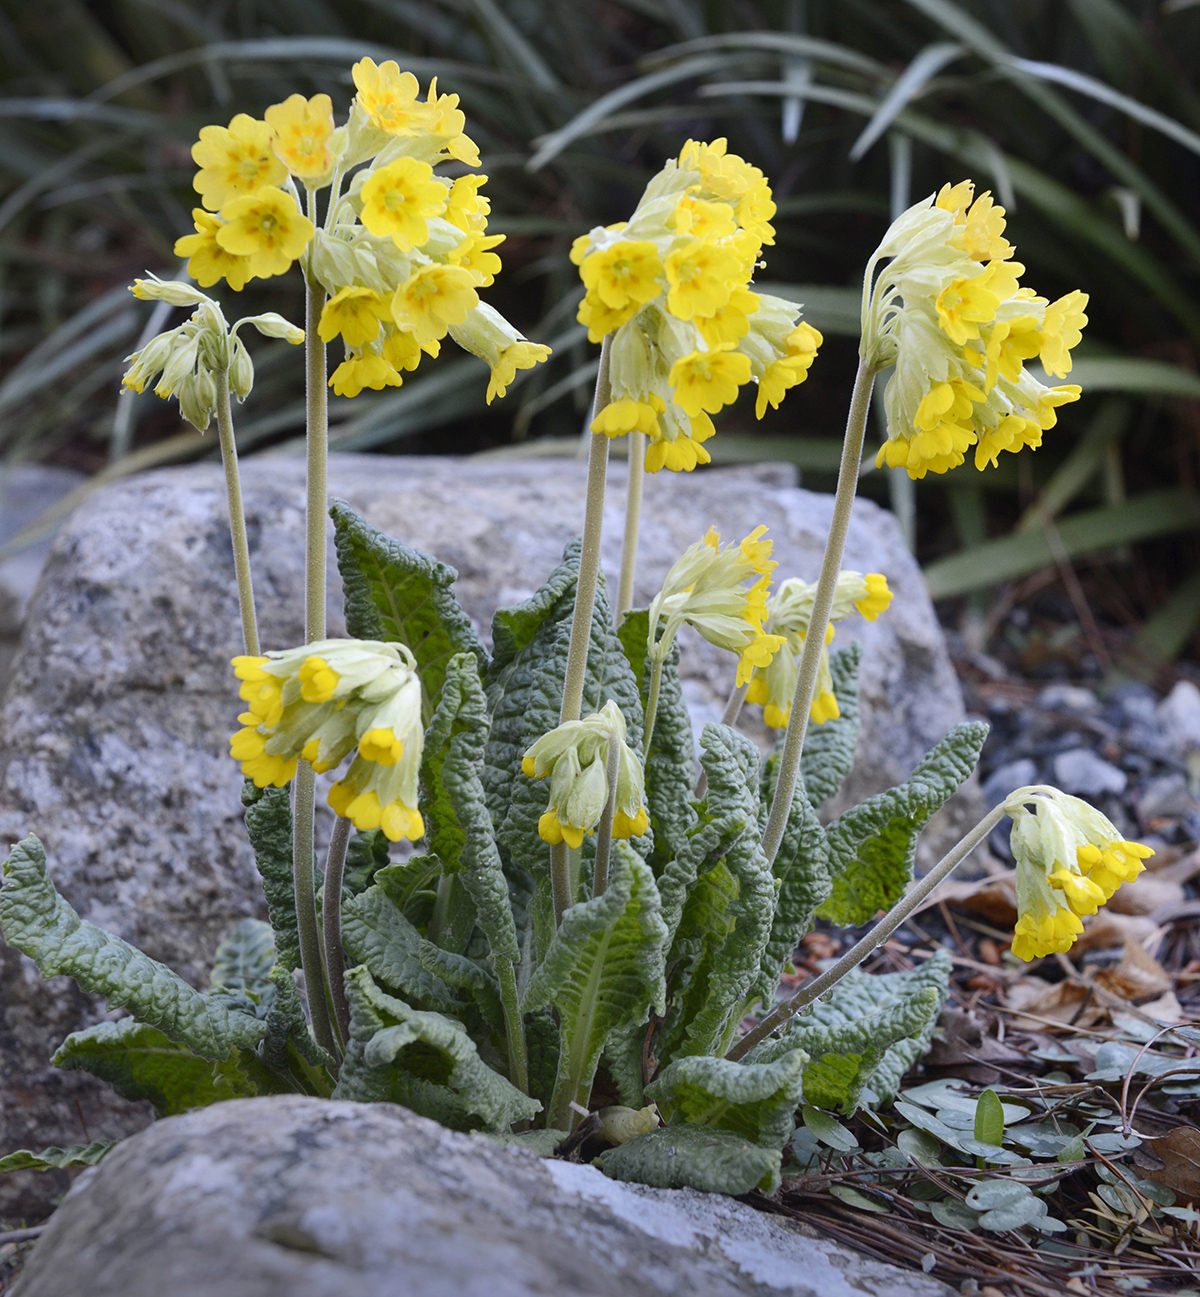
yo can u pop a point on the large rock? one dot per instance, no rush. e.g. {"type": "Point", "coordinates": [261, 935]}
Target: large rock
{"type": "Point", "coordinates": [296, 1197]}
{"type": "Point", "coordinates": [113, 738]}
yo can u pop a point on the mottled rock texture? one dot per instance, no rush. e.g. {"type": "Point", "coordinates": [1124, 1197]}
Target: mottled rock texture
{"type": "Point", "coordinates": [295, 1197]}
{"type": "Point", "coordinates": [113, 736]}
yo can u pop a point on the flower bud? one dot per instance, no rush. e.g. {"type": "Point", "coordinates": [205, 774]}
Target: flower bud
{"type": "Point", "coordinates": [168, 290]}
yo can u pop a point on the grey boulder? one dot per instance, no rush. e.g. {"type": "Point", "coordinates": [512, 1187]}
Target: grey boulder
{"type": "Point", "coordinates": [299, 1197]}
{"type": "Point", "coordinates": [114, 732]}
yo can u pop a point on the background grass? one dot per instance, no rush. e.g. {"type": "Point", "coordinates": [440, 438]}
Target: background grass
{"type": "Point", "coordinates": [1082, 115]}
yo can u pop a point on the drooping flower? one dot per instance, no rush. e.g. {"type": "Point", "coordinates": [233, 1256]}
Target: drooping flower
{"type": "Point", "coordinates": [355, 314]}
{"type": "Point", "coordinates": [706, 588]}
{"type": "Point", "coordinates": [320, 703]}
{"type": "Point", "coordinates": [300, 133]}
{"type": "Point", "coordinates": [235, 160]}
{"type": "Point", "coordinates": [208, 262]}
{"type": "Point", "coordinates": [948, 312]}
{"type": "Point", "coordinates": [788, 614]}
{"type": "Point", "coordinates": [1070, 860]}
{"type": "Point", "coordinates": [432, 299]}
{"type": "Point", "coordinates": [575, 756]}
{"type": "Point", "coordinates": [399, 200]}
{"type": "Point", "coordinates": [267, 228]}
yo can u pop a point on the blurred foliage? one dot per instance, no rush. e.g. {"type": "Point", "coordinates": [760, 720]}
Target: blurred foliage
{"type": "Point", "coordinates": [1083, 116]}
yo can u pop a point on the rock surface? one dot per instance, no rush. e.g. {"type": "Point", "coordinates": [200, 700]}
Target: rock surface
{"type": "Point", "coordinates": [297, 1197]}
{"type": "Point", "coordinates": [113, 737]}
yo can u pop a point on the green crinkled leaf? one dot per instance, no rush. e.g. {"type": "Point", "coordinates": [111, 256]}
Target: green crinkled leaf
{"type": "Point", "coordinates": [376, 934]}
{"type": "Point", "coordinates": [726, 918]}
{"type": "Point", "coordinates": [39, 923]}
{"type": "Point", "coordinates": [427, 1058]}
{"type": "Point", "coordinates": [269, 828]}
{"type": "Point", "coordinates": [867, 1032]}
{"type": "Point", "coordinates": [829, 748]}
{"type": "Point", "coordinates": [802, 870]}
{"type": "Point", "coordinates": [602, 970]}
{"type": "Point", "coordinates": [401, 595]}
{"type": "Point", "coordinates": [755, 1101]}
{"type": "Point", "coordinates": [243, 964]}
{"type": "Point", "coordinates": [366, 855]}
{"type": "Point", "coordinates": [459, 829]}
{"type": "Point", "coordinates": [872, 846]}
{"type": "Point", "coordinates": [671, 762]}
{"type": "Point", "coordinates": [623, 1058]}
{"type": "Point", "coordinates": [289, 1050]}
{"type": "Point", "coordinates": [51, 1159]}
{"type": "Point", "coordinates": [697, 1157]}
{"type": "Point", "coordinates": [542, 1142]}
{"type": "Point", "coordinates": [524, 689]}
{"type": "Point", "coordinates": [139, 1062]}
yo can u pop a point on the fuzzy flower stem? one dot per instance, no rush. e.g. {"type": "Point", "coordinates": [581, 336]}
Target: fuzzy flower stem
{"type": "Point", "coordinates": [304, 794]}
{"type": "Point", "coordinates": [872, 941]}
{"type": "Point", "coordinates": [604, 828]}
{"type": "Point", "coordinates": [331, 918]}
{"type": "Point", "coordinates": [810, 659]}
{"type": "Point", "coordinates": [633, 515]}
{"type": "Point", "coordinates": [585, 603]}
{"type": "Point", "coordinates": [237, 515]}
{"type": "Point", "coordinates": [656, 670]}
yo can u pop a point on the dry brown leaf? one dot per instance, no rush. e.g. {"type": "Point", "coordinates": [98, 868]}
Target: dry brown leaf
{"type": "Point", "coordinates": [1165, 1009]}
{"type": "Point", "coordinates": [1105, 930]}
{"type": "Point", "coordinates": [1180, 1152]}
{"type": "Point", "coordinates": [1057, 1001]}
{"type": "Point", "coordinates": [1137, 975]}
{"type": "Point", "coordinates": [995, 897]}
{"type": "Point", "coordinates": [1146, 895]}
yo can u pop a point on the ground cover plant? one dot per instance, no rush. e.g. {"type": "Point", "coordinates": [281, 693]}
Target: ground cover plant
{"type": "Point", "coordinates": [574, 945]}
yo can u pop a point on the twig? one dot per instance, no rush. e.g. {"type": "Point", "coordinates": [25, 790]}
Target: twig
{"type": "Point", "coordinates": [21, 1235]}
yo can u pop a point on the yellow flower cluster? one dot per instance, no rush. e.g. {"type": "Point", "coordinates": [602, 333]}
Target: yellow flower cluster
{"type": "Point", "coordinates": [788, 614]}
{"type": "Point", "coordinates": [1070, 861]}
{"type": "Point", "coordinates": [401, 253]}
{"type": "Point", "coordinates": [673, 285]}
{"type": "Point", "coordinates": [319, 703]}
{"type": "Point", "coordinates": [949, 313]}
{"type": "Point", "coordinates": [706, 589]}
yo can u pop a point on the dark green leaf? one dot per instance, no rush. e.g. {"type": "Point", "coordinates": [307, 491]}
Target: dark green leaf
{"type": "Point", "coordinates": [269, 828]}
{"type": "Point", "coordinates": [697, 1157]}
{"type": "Point", "coordinates": [50, 1159]}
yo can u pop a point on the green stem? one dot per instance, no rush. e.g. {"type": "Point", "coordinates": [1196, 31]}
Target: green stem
{"type": "Point", "coordinates": [560, 880]}
{"type": "Point", "coordinates": [304, 796]}
{"type": "Point", "coordinates": [331, 919]}
{"type": "Point", "coordinates": [514, 1025]}
{"type": "Point", "coordinates": [237, 514]}
{"type": "Point", "coordinates": [633, 515]}
{"type": "Point", "coordinates": [656, 670]}
{"type": "Point", "coordinates": [589, 558]}
{"type": "Point", "coordinates": [604, 829]}
{"type": "Point", "coordinates": [439, 919]}
{"type": "Point", "coordinates": [873, 940]}
{"type": "Point", "coordinates": [814, 643]}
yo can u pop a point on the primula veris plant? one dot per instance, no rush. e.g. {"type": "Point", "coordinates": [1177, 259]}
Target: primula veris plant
{"type": "Point", "coordinates": [585, 922]}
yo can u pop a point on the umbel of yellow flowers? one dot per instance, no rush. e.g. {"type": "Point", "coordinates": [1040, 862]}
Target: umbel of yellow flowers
{"type": "Point", "coordinates": [673, 286]}
{"type": "Point", "coordinates": [324, 700]}
{"type": "Point", "coordinates": [401, 253]}
{"type": "Point", "coordinates": [788, 614]}
{"type": "Point", "coordinates": [1070, 861]}
{"type": "Point", "coordinates": [948, 311]}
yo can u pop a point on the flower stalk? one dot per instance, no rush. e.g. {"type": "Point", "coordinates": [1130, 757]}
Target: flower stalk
{"type": "Point", "coordinates": [633, 515]}
{"type": "Point", "coordinates": [813, 990]}
{"type": "Point", "coordinates": [331, 920]}
{"type": "Point", "coordinates": [237, 516]}
{"type": "Point", "coordinates": [604, 831]}
{"type": "Point", "coordinates": [814, 643]}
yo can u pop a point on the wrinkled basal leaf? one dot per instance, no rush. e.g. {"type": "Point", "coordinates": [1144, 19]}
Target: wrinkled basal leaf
{"type": "Point", "coordinates": [756, 1101]}
{"type": "Point", "coordinates": [39, 923]}
{"type": "Point", "coordinates": [697, 1157]}
{"type": "Point", "coordinates": [243, 964]}
{"type": "Point", "coordinates": [52, 1159]}
{"type": "Point", "coordinates": [602, 971]}
{"type": "Point", "coordinates": [269, 828]}
{"type": "Point", "coordinates": [366, 855]}
{"type": "Point", "coordinates": [872, 846]}
{"type": "Point", "coordinates": [401, 595]}
{"type": "Point", "coordinates": [829, 748]}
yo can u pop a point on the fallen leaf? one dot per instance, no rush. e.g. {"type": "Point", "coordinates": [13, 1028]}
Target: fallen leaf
{"type": "Point", "coordinates": [995, 897]}
{"type": "Point", "coordinates": [1146, 895]}
{"type": "Point", "coordinates": [1138, 975]}
{"type": "Point", "coordinates": [1180, 1152]}
{"type": "Point", "coordinates": [1105, 930]}
{"type": "Point", "coordinates": [1057, 1001]}
{"type": "Point", "coordinates": [1165, 1009]}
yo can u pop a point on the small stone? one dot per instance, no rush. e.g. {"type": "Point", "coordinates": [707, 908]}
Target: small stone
{"type": "Point", "coordinates": [1179, 716]}
{"type": "Point", "coordinates": [1137, 701]}
{"type": "Point", "coordinates": [1068, 698]}
{"type": "Point", "coordinates": [1007, 779]}
{"type": "Point", "coordinates": [1084, 774]}
{"type": "Point", "coordinates": [1166, 796]}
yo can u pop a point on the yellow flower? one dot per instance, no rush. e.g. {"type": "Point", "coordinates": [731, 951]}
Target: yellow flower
{"type": "Point", "coordinates": [704, 220]}
{"type": "Point", "coordinates": [601, 319]}
{"type": "Point", "coordinates": [208, 262]}
{"type": "Point", "coordinates": [400, 198]}
{"type": "Point", "coordinates": [402, 351]}
{"type": "Point", "coordinates": [475, 254]}
{"type": "Point", "coordinates": [266, 227]}
{"type": "Point", "coordinates": [520, 355]}
{"type": "Point", "coordinates": [1061, 332]}
{"type": "Point", "coordinates": [367, 370]}
{"type": "Point", "coordinates": [235, 159]}
{"type": "Point", "coordinates": [354, 313]}
{"type": "Point", "coordinates": [624, 274]}
{"type": "Point", "coordinates": [621, 417]}
{"type": "Point", "coordinates": [790, 369]}
{"type": "Point", "coordinates": [700, 278]}
{"type": "Point", "coordinates": [466, 207]}
{"type": "Point", "coordinates": [451, 122]}
{"type": "Point", "coordinates": [877, 599]}
{"type": "Point", "coordinates": [433, 298]}
{"type": "Point", "coordinates": [685, 451]}
{"type": "Point", "coordinates": [1009, 344]}
{"type": "Point", "coordinates": [389, 98]}
{"type": "Point", "coordinates": [708, 380]}
{"type": "Point", "coordinates": [732, 321]}
{"type": "Point", "coordinates": [980, 227]}
{"type": "Point", "coordinates": [964, 304]}
{"type": "Point", "coordinates": [755, 211]}
{"type": "Point", "coordinates": [300, 133]}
